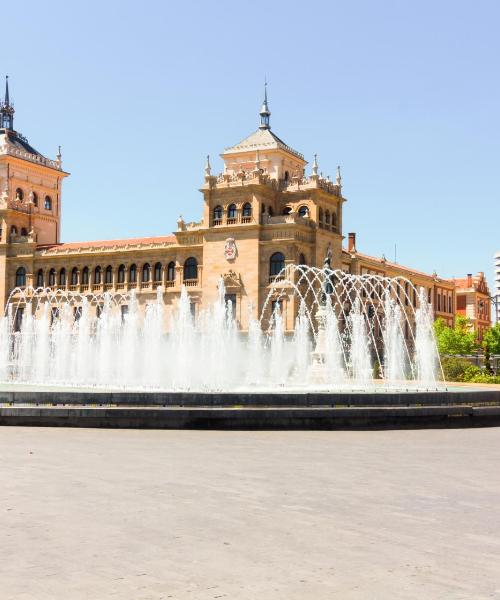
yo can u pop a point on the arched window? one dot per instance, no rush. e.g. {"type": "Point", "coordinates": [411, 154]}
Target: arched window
{"type": "Point", "coordinates": [270, 211]}
{"type": "Point", "coordinates": [108, 274]}
{"type": "Point", "coordinates": [146, 273]}
{"type": "Point", "coordinates": [191, 268]}
{"type": "Point", "coordinates": [334, 220]}
{"type": "Point", "coordinates": [21, 277]}
{"type": "Point", "coordinates": [303, 211]}
{"type": "Point", "coordinates": [287, 210]}
{"type": "Point", "coordinates": [97, 275]}
{"type": "Point", "coordinates": [157, 272]}
{"type": "Point", "coordinates": [327, 218]}
{"type": "Point", "coordinates": [276, 263]}
{"type": "Point", "coordinates": [48, 203]}
{"type": "Point", "coordinates": [231, 211]}
{"type": "Point", "coordinates": [52, 277]}
{"type": "Point", "coordinates": [217, 213]}
{"type": "Point", "coordinates": [62, 276]}
{"type": "Point", "coordinates": [247, 209]}
{"type": "Point", "coordinates": [302, 260]}
{"type": "Point", "coordinates": [19, 194]}
{"type": "Point", "coordinates": [121, 274]}
{"type": "Point", "coordinates": [34, 198]}
{"type": "Point", "coordinates": [85, 276]}
{"type": "Point", "coordinates": [13, 230]}
{"type": "Point", "coordinates": [24, 231]}
{"type": "Point", "coordinates": [132, 275]}
{"type": "Point", "coordinates": [287, 175]}
{"type": "Point", "coordinates": [39, 278]}
{"type": "Point", "coordinates": [74, 276]}
{"type": "Point", "coordinates": [171, 271]}
{"type": "Point", "coordinates": [320, 217]}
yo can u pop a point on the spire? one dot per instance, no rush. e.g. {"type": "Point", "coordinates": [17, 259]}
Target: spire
{"type": "Point", "coordinates": [208, 168]}
{"type": "Point", "coordinates": [265, 113]}
{"type": "Point", "coordinates": [6, 109]}
{"type": "Point", "coordinates": [315, 166]}
{"type": "Point", "coordinates": [338, 179]}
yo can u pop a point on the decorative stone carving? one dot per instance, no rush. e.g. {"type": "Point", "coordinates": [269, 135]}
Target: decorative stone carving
{"type": "Point", "coordinates": [230, 250]}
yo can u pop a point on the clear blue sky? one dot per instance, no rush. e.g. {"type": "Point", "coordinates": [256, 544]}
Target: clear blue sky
{"type": "Point", "coordinates": [405, 96]}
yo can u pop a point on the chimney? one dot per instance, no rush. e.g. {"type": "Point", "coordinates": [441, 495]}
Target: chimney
{"type": "Point", "coordinates": [469, 280]}
{"type": "Point", "coordinates": [352, 242]}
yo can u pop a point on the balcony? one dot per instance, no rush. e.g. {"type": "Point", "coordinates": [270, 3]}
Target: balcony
{"type": "Point", "coordinates": [191, 282]}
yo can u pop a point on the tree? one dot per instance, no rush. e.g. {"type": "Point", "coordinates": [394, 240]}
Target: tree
{"type": "Point", "coordinates": [454, 340]}
{"type": "Point", "coordinates": [491, 344]}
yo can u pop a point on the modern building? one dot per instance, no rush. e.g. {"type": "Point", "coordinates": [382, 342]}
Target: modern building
{"type": "Point", "coordinates": [262, 213]}
{"type": "Point", "coordinates": [474, 302]}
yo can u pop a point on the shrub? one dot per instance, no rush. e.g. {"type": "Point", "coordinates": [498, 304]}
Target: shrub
{"type": "Point", "coordinates": [454, 368]}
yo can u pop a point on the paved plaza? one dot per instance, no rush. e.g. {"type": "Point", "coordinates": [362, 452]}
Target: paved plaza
{"type": "Point", "coordinates": [130, 514]}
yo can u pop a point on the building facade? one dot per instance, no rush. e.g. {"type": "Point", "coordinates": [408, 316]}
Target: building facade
{"type": "Point", "coordinates": [496, 314]}
{"type": "Point", "coordinates": [262, 213]}
{"type": "Point", "coordinates": [474, 302]}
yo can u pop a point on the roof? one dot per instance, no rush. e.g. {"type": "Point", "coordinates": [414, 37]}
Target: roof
{"type": "Point", "coordinates": [262, 139]}
{"type": "Point", "coordinates": [393, 265]}
{"type": "Point", "coordinates": [69, 246]}
{"type": "Point", "coordinates": [462, 283]}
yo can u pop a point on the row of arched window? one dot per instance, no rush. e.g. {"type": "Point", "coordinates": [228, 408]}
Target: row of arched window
{"type": "Point", "coordinates": [23, 231]}
{"type": "Point", "coordinates": [100, 275]}
{"type": "Point", "coordinates": [327, 220]}
{"type": "Point", "coordinates": [47, 203]}
{"type": "Point", "coordinates": [232, 212]}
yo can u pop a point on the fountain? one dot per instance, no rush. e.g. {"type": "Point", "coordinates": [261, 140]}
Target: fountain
{"type": "Point", "coordinates": [349, 333]}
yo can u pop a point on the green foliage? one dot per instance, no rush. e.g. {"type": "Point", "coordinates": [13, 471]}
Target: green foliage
{"type": "Point", "coordinates": [454, 340]}
{"type": "Point", "coordinates": [491, 339]}
{"type": "Point", "coordinates": [460, 369]}
{"type": "Point", "coordinates": [454, 368]}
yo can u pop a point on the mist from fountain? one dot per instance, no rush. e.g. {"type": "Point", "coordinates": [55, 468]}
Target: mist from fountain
{"type": "Point", "coordinates": [365, 333]}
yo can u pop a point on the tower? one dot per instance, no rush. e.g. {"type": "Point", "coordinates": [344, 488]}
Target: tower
{"type": "Point", "coordinates": [30, 198]}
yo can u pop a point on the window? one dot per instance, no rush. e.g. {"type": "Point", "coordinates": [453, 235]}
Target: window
{"type": "Point", "coordinates": [270, 211]}
{"type": "Point", "coordinates": [74, 276]}
{"type": "Point", "coordinates": [287, 175]}
{"type": "Point", "coordinates": [21, 277]}
{"type": "Point", "coordinates": [121, 274]}
{"type": "Point", "coordinates": [407, 290]}
{"type": "Point", "coordinates": [39, 278]}
{"type": "Point", "coordinates": [124, 311]}
{"type": "Point", "coordinates": [263, 209]}
{"type": "Point", "coordinates": [13, 230]}
{"type": "Point", "coordinates": [439, 302]}
{"type": "Point", "coordinates": [146, 273]}
{"type": "Point", "coordinates": [415, 297]}
{"type": "Point", "coordinates": [171, 271]}
{"type": "Point", "coordinates": [334, 220]}
{"type": "Point", "coordinates": [247, 209]}
{"type": "Point", "coordinates": [108, 275]}
{"type": "Point", "coordinates": [24, 232]}
{"type": "Point", "coordinates": [302, 260]}
{"type": "Point", "coordinates": [19, 194]}
{"type": "Point", "coordinates": [157, 276]}
{"type": "Point", "coordinates": [232, 299]}
{"type": "Point", "coordinates": [85, 276]}
{"type": "Point", "coordinates": [303, 211]}
{"type": "Point", "coordinates": [48, 203]}
{"type": "Point", "coordinates": [450, 305]}
{"type": "Point", "coordinates": [276, 263]}
{"type": "Point", "coordinates": [276, 306]}
{"type": "Point", "coordinates": [191, 268]}
{"type": "Point", "coordinates": [97, 275]}
{"type": "Point", "coordinates": [327, 218]}
{"type": "Point", "coordinates": [34, 198]}
{"type": "Point", "coordinates": [218, 213]}
{"type": "Point", "coordinates": [18, 319]}
{"type": "Point", "coordinates": [62, 276]}
{"type": "Point", "coordinates": [429, 296]}
{"type": "Point", "coordinates": [320, 217]}
{"type": "Point", "coordinates": [231, 211]}
{"type": "Point", "coordinates": [52, 277]}
{"type": "Point", "coordinates": [132, 275]}
{"type": "Point", "coordinates": [287, 210]}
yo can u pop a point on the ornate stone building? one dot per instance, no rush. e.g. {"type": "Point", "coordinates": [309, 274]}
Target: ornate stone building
{"type": "Point", "coordinates": [474, 302]}
{"type": "Point", "coordinates": [262, 213]}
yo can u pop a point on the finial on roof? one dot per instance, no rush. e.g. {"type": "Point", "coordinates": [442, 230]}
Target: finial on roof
{"type": "Point", "coordinates": [207, 166]}
{"type": "Point", "coordinates": [315, 166]}
{"type": "Point", "coordinates": [6, 109]}
{"type": "Point", "coordinates": [265, 113]}
{"type": "Point", "coordinates": [59, 157]}
{"type": "Point", "coordinates": [338, 179]}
